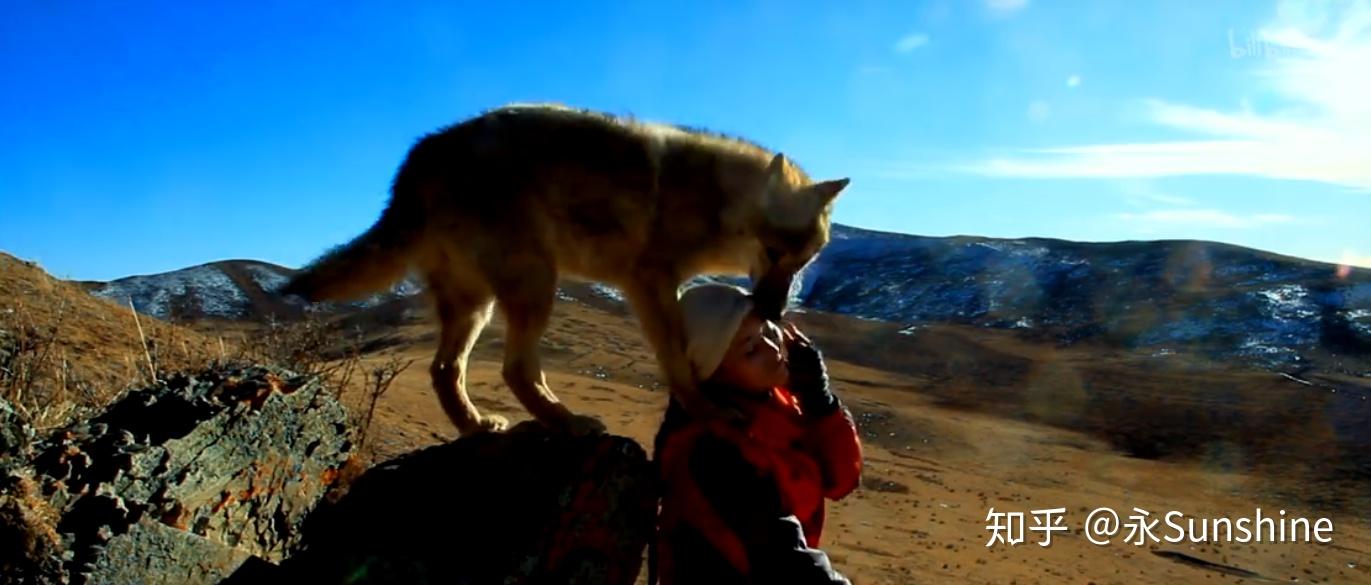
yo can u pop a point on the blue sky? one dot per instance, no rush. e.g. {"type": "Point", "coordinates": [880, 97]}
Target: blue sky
{"type": "Point", "coordinates": [148, 137]}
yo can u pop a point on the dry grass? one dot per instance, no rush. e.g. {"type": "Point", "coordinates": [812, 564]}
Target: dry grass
{"type": "Point", "coordinates": [330, 350]}
{"type": "Point", "coordinates": [36, 376]}
{"type": "Point", "coordinates": [65, 354]}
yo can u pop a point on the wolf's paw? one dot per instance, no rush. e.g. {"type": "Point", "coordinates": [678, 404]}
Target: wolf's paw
{"type": "Point", "coordinates": [487, 423]}
{"type": "Point", "coordinates": [494, 423]}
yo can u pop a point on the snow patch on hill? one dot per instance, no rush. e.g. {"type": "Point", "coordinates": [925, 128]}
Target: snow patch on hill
{"type": "Point", "coordinates": [267, 278]}
{"type": "Point", "coordinates": [206, 287]}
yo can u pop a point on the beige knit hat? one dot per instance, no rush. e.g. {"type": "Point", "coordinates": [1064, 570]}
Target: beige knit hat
{"type": "Point", "coordinates": [712, 314]}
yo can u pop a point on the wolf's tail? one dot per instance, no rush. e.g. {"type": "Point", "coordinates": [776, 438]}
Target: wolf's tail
{"type": "Point", "coordinates": [370, 263]}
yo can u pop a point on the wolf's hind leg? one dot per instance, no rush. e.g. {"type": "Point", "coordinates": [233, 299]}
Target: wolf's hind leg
{"type": "Point", "coordinates": [464, 314]}
{"type": "Point", "coordinates": [527, 304]}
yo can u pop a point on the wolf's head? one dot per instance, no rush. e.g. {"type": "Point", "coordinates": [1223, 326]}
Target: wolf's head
{"type": "Point", "coordinates": [792, 227]}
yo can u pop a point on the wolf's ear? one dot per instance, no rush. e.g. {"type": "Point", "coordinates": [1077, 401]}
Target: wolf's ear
{"type": "Point", "coordinates": [827, 191]}
{"type": "Point", "coordinates": [775, 172]}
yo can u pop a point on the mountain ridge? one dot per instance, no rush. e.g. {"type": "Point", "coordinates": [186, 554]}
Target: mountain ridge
{"type": "Point", "coordinates": [1227, 300]}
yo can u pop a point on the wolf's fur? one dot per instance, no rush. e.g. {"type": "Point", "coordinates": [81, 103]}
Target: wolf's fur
{"type": "Point", "coordinates": [501, 206]}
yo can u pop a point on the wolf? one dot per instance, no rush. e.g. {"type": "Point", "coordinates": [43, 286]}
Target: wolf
{"type": "Point", "coordinates": [498, 208]}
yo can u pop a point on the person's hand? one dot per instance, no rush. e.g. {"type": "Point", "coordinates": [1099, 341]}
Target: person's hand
{"type": "Point", "coordinates": [808, 374]}
{"type": "Point", "coordinates": [792, 335]}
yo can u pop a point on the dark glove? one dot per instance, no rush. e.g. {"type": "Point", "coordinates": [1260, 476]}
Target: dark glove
{"type": "Point", "coordinates": [808, 375]}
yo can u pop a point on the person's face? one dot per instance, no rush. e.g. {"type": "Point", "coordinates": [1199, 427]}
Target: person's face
{"type": "Point", "coordinates": [756, 358]}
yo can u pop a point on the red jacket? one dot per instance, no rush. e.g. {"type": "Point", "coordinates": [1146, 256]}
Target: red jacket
{"type": "Point", "coordinates": [745, 503]}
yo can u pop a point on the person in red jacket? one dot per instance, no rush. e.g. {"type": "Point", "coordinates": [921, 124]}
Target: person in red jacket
{"type": "Point", "coordinates": [743, 497]}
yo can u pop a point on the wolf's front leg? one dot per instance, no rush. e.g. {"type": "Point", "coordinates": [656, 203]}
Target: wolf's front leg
{"type": "Point", "coordinates": [659, 313]}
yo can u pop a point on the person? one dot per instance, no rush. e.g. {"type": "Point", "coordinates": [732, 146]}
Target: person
{"type": "Point", "coordinates": [742, 497]}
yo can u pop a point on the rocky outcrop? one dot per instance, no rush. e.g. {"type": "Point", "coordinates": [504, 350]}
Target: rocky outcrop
{"type": "Point", "coordinates": [525, 506]}
{"type": "Point", "coordinates": [221, 477]}
{"type": "Point", "coordinates": [15, 433]}
{"type": "Point", "coordinates": [181, 482]}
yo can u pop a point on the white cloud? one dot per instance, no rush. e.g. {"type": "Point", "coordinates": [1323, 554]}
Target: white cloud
{"type": "Point", "coordinates": [1005, 7]}
{"type": "Point", "coordinates": [1169, 199]}
{"type": "Point", "coordinates": [1073, 81]}
{"type": "Point", "coordinates": [1212, 218]}
{"type": "Point", "coordinates": [1316, 64]}
{"type": "Point", "coordinates": [1142, 194]}
{"type": "Point", "coordinates": [910, 42]}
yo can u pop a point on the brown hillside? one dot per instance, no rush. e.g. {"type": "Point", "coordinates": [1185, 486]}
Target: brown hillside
{"type": "Point", "coordinates": [71, 347]}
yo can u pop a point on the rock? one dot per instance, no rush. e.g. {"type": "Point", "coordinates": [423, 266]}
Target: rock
{"type": "Point", "coordinates": [234, 458]}
{"type": "Point", "coordinates": [15, 433]}
{"type": "Point", "coordinates": [526, 506]}
{"type": "Point", "coordinates": [222, 478]}
{"type": "Point", "coordinates": [151, 553]}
